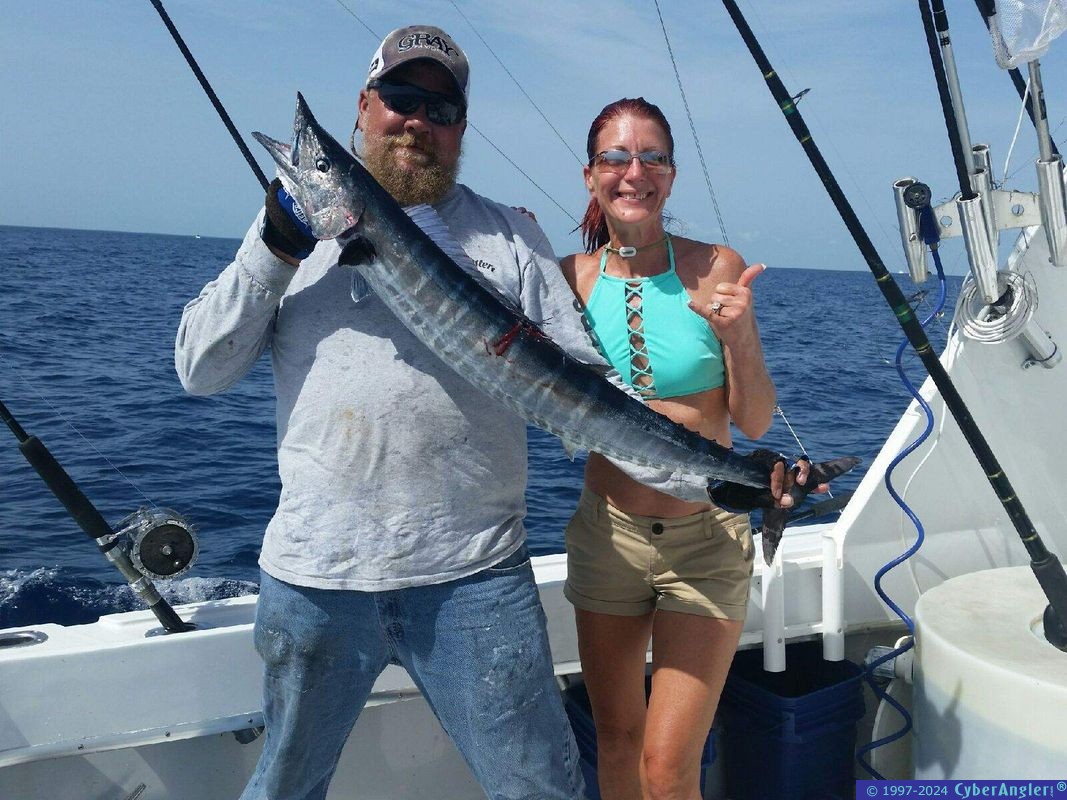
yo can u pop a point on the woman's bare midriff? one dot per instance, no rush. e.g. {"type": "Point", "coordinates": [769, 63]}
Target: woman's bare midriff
{"type": "Point", "coordinates": [706, 413]}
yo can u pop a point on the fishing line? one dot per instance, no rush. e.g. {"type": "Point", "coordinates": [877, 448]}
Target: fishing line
{"type": "Point", "coordinates": [519, 85]}
{"type": "Point", "coordinates": [504, 155]}
{"type": "Point", "coordinates": [711, 190]}
{"type": "Point", "coordinates": [993, 324]}
{"type": "Point", "coordinates": [692, 127]}
{"type": "Point", "coordinates": [523, 173]}
{"type": "Point", "coordinates": [1018, 125]}
{"type": "Point", "coordinates": [803, 450]}
{"type": "Point", "coordinates": [74, 428]}
{"type": "Point", "coordinates": [355, 16]}
{"type": "Point", "coordinates": [1033, 155]}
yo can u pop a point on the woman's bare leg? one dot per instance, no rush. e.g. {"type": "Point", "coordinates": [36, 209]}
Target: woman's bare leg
{"type": "Point", "coordinates": [612, 649]}
{"type": "Point", "coordinates": [691, 656]}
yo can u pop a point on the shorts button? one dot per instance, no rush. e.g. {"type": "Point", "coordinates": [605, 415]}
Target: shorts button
{"type": "Point", "coordinates": [657, 528]}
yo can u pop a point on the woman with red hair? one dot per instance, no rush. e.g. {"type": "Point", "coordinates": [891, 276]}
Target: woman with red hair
{"type": "Point", "coordinates": [675, 317]}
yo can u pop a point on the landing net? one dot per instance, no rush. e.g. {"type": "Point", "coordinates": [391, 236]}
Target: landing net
{"type": "Point", "coordinates": [1022, 30]}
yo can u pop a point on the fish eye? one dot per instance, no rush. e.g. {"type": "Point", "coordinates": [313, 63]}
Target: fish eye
{"type": "Point", "coordinates": [322, 164]}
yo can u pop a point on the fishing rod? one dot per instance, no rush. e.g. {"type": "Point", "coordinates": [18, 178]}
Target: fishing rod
{"type": "Point", "coordinates": [241, 142]}
{"type": "Point", "coordinates": [939, 44]}
{"type": "Point", "coordinates": [975, 202]}
{"type": "Point", "coordinates": [147, 544]}
{"type": "Point", "coordinates": [211, 94]}
{"type": "Point", "coordinates": [1045, 565]}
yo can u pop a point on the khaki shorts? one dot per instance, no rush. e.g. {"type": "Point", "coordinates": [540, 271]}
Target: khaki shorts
{"type": "Point", "coordinates": [628, 565]}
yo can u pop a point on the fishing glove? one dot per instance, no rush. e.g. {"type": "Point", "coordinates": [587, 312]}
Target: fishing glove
{"type": "Point", "coordinates": [284, 227]}
{"type": "Point", "coordinates": [740, 498]}
{"type": "Point", "coordinates": [736, 497]}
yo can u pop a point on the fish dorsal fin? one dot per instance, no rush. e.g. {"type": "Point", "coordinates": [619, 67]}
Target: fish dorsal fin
{"type": "Point", "coordinates": [431, 223]}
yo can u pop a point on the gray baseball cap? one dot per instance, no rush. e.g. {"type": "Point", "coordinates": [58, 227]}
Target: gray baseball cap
{"type": "Point", "coordinates": [421, 41]}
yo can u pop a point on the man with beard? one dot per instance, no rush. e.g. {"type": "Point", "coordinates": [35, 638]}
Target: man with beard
{"type": "Point", "coordinates": [398, 536]}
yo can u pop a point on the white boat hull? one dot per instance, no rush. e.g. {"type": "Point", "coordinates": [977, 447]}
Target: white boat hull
{"type": "Point", "coordinates": [94, 711]}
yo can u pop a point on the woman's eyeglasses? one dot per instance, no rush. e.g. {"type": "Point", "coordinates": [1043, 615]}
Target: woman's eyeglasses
{"type": "Point", "coordinates": [619, 160]}
{"type": "Point", "coordinates": [403, 98]}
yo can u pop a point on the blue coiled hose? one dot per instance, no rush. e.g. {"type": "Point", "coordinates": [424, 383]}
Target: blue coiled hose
{"type": "Point", "coordinates": [928, 231]}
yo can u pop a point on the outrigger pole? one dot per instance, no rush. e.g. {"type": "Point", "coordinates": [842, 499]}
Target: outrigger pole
{"type": "Point", "coordinates": [92, 522]}
{"type": "Point", "coordinates": [1045, 565]}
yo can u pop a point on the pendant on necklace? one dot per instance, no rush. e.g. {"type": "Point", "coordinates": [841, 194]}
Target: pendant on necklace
{"type": "Point", "coordinates": [629, 251]}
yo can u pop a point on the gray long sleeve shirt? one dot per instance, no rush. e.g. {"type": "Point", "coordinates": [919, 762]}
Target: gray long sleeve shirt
{"type": "Point", "coordinates": [395, 471]}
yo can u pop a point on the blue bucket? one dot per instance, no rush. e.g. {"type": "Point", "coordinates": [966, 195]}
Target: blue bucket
{"type": "Point", "coordinates": [791, 735]}
{"type": "Point", "coordinates": [576, 702]}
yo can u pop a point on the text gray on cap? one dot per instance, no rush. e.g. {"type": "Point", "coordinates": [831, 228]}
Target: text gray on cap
{"type": "Point", "coordinates": [421, 41]}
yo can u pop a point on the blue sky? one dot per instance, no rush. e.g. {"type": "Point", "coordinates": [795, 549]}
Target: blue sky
{"type": "Point", "coordinates": [104, 126]}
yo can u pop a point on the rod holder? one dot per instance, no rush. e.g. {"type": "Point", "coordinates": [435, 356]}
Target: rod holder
{"type": "Point", "coordinates": [1052, 204]}
{"type": "Point", "coordinates": [982, 184]}
{"type": "Point", "coordinates": [773, 592]}
{"type": "Point", "coordinates": [979, 247]}
{"type": "Point", "coordinates": [908, 218]}
{"type": "Point", "coordinates": [1042, 349]}
{"type": "Point", "coordinates": [833, 601]}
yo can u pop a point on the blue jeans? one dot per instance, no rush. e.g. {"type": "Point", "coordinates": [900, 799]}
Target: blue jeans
{"type": "Point", "coordinates": [477, 648]}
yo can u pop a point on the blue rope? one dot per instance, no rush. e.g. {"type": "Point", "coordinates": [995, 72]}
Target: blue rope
{"type": "Point", "coordinates": [928, 230]}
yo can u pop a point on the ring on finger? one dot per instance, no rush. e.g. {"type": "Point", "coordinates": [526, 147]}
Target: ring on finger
{"type": "Point", "coordinates": [716, 307]}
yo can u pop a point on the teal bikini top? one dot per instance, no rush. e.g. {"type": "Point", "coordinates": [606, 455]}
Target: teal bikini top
{"type": "Point", "coordinates": [646, 330]}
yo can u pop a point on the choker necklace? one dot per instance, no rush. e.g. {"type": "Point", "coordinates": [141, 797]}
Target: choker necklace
{"type": "Point", "coordinates": [626, 251]}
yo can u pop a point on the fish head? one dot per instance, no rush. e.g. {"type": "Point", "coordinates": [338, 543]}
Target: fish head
{"type": "Point", "coordinates": [318, 173]}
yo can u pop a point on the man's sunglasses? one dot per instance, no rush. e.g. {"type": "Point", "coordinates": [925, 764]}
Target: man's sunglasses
{"type": "Point", "coordinates": [619, 160]}
{"type": "Point", "coordinates": [403, 98]}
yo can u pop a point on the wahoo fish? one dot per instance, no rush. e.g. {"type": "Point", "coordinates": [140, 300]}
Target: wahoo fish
{"type": "Point", "coordinates": [486, 338]}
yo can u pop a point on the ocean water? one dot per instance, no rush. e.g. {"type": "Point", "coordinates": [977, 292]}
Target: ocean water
{"type": "Point", "coordinates": [87, 326]}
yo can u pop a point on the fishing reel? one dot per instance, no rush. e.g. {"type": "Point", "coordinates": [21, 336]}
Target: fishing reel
{"type": "Point", "coordinates": [160, 543]}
